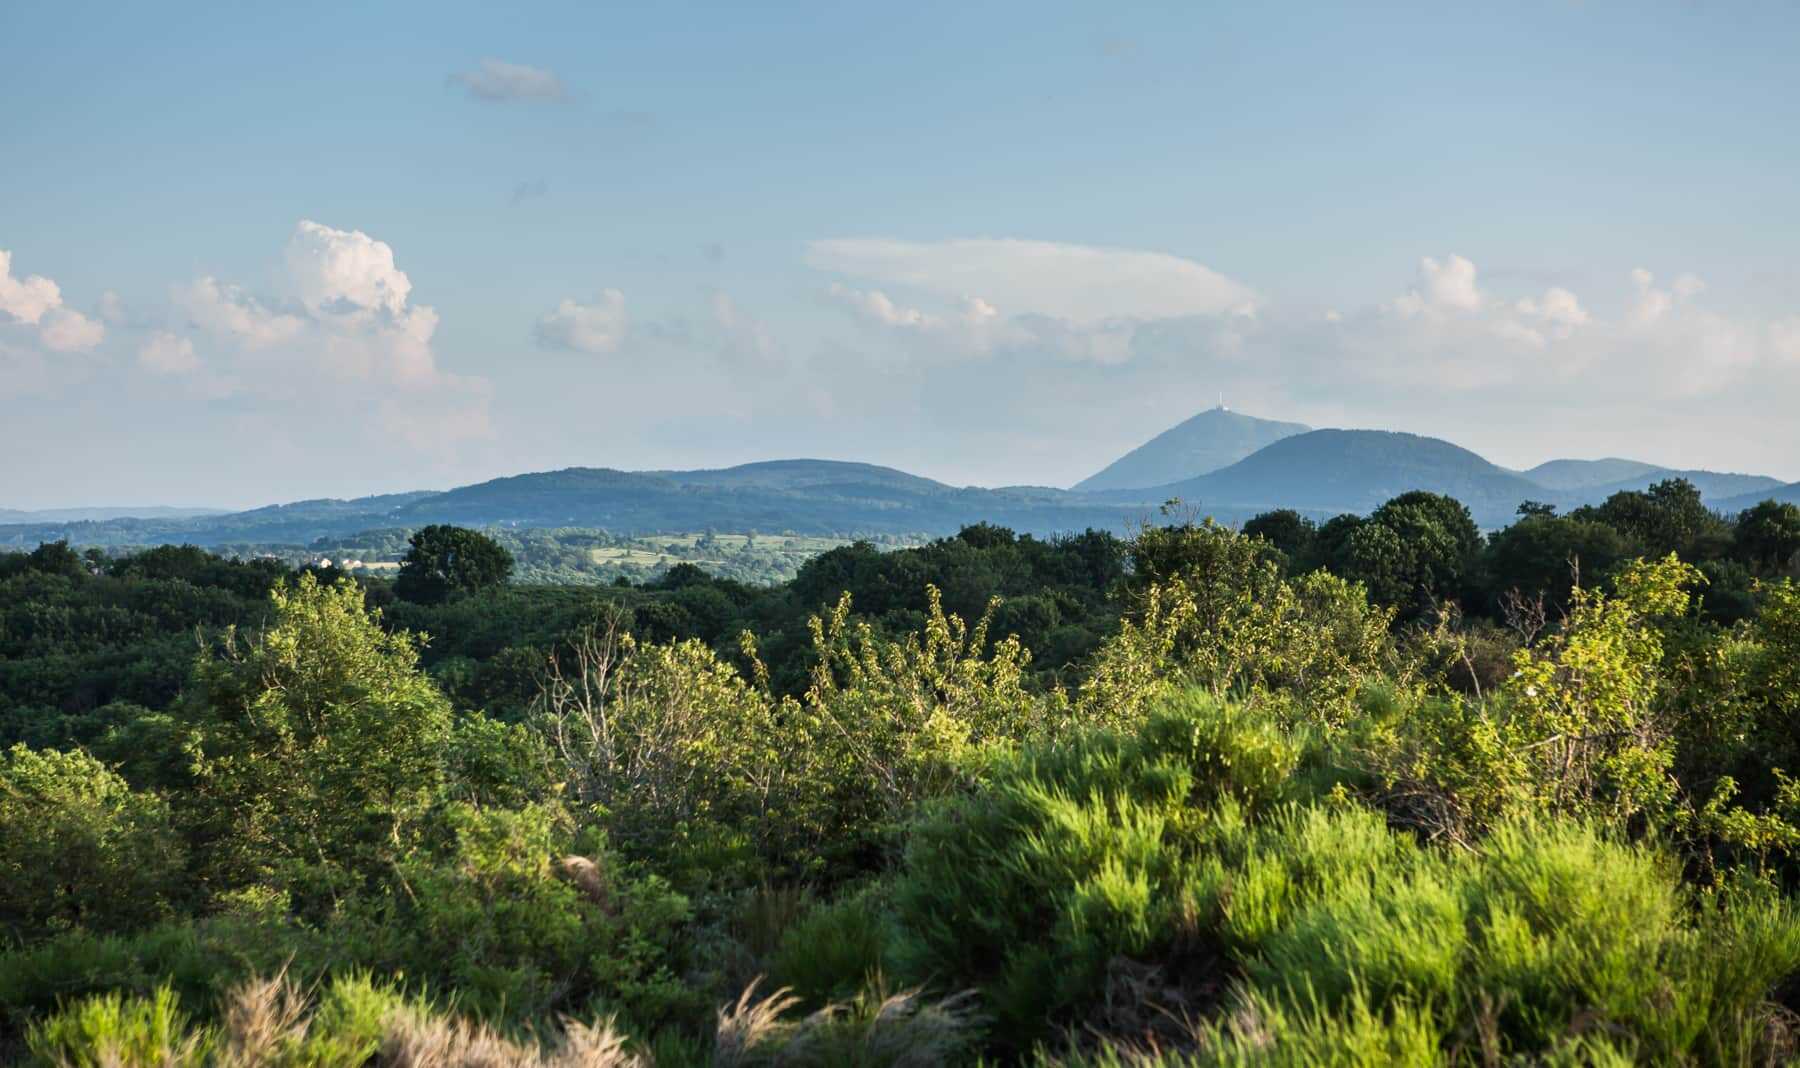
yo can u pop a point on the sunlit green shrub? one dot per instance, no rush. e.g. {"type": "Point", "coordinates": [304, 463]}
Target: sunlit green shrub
{"type": "Point", "coordinates": [79, 848]}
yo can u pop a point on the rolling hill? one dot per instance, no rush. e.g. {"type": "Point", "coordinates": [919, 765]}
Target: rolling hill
{"type": "Point", "coordinates": [1788, 494]}
{"type": "Point", "coordinates": [1334, 471]}
{"type": "Point", "coordinates": [1318, 472]}
{"type": "Point", "coordinates": [1598, 479]}
{"type": "Point", "coordinates": [1207, 442]}
{"type": "Point", "coordinates": [1587, 474]}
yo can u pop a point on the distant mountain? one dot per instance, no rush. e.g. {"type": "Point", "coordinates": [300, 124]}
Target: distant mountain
{"type": "Point", "coordinates": [804, 474]}
{"type": "Point", "coordinates": [1318, 472]}
{"type": "Point", "coordinates": [78, 515]}
{"type": "Point", "coordinates": [1595, 480]}
{"type": "Point", "coordinates": [1209, 441]}
{"type": "Point", "coordinates": [1333, 471]}
{"type": "Point", "coordinates": [1788, 494]}
{"type": "Point", "coordinates": [1586, 474]}
{"type": "Point", "coordinates": [804, 496]}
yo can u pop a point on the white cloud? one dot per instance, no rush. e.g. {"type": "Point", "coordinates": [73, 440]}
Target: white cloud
{"type": "Point", "coordinates": [37, 301]}
{"type": "Point", "coordinates": [596, 327]}
{"type": "Point", "coordinates": [1444, 287]}
{"type": "Point", "coordinates": [344, 272]}
{"type": "Point", "coordinates": [25, 299]}
{"type": "Point", "coordinates": [345, 319]}
{"type": "Point", "coordinates": [228, 312]}
{"type": "Point", "coordinates": [1557, 306]}
{"type": "Point", "coordinates": [168, 354]}
{"type": "Point", "coordinates": [1653, 303]}
{"type": "Point", "coordinates": [975, 326]}
{"type": "Point", "coordinates": [1079, 283]}
{"type": "Point", "coordinates": [67, 330]}
{"type": "Point", "coordinates": [501, 81]}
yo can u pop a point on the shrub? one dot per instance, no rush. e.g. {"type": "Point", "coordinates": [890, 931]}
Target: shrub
{"type": "Point", "coordinates": [321, 748]}
{"type": "Point", "coordinates": [1073, 855]}
{"type": "Point", "coordinates": [833, 951]}
{"type": "Point", "coordinates": [111, 1030]}
{"type": "Point", "coordinates": [80, 848]}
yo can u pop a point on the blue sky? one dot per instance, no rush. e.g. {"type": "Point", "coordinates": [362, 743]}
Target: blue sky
{"type": "Point", "coordinates": [346, 249]}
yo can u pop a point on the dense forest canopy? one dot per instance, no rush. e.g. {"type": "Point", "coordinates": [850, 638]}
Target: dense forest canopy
{"type": "Point", "coordinates": [1378, 789]}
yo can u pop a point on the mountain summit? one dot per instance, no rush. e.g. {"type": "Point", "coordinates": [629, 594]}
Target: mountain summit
{"type": "Point", "coordinates": [1216, 438]}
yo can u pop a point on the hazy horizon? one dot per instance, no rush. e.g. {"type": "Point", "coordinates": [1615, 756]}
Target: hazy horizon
{"type": "Point", "coordinates": [245, 262]}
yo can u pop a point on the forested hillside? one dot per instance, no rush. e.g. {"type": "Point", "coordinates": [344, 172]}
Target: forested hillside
{"type": "Point", "coordinates": [1383, 790]}
{"type": "Point", "coordinates": [1232, 466]}
{"type": "Point", "coordinates": [1213, 439]}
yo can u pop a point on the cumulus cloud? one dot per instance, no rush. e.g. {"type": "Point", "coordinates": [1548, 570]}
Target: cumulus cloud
{"type": "Point", "coordinates": [1654, 303]}
{"type": "Point", "coordinates": [501, 81]}
{"type": "Point", "coordinates": [596, 327]}
{"type": "Point", "coordinates": [1080, 283]}
{"type": "Point", "coordinates": [344, 272]}
{"type": "Point", "coordinates": [974, 326]}
{"type": "Point", "coordinates": [25, 299]}
{"type": "Point", "coordinates": [1557, 306]}
{"type": "Point", "coordinates": [67, 330]}
{"type": "Point", "coordinates": [165, 353]}
{"type": "Point", "coordinates": [344, 317]}
{"type": "Point", "coordinates": [1444, 287]}
{"type": "Point", "coordinates": [227, 311]}
{"type": "Point", "coordinates": [37, 301]}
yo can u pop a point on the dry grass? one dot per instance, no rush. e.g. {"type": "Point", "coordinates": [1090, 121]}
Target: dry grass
{"type": "Point", "coordinates": [428, 1041]}
{"type": "Point", "coordinates": [875, 1030]}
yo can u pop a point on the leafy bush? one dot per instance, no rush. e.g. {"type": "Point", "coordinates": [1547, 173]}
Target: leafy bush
{"type": "Point", "coordinates": [79, 848]}
{"type": "Point", "coordinates": [321, 747]}
{"type": "Point", "coordinates": [1072, 855]}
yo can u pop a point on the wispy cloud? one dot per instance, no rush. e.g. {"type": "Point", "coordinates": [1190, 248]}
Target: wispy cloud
{"type": "Point", "coordinates": [500, 81]}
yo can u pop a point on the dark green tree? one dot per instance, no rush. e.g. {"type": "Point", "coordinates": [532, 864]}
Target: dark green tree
{"type": "Point", "coordinates": [446, 560]}
{"type": "Point", "coordinates": [1285, 529]}
{"type": "Point", "coordinates": [1768, 535]}
{"type": "Point", "coordinates": [1425, 550]}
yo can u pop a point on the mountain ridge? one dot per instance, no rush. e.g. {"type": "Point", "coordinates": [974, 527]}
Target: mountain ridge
{"type": "Point", "coordinates": [1317, 472]}
{"type": "Point", "coordinates": [1198, 445]}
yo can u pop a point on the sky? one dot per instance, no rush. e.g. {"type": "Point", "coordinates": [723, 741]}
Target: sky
{"type": "Point", "coordinates": [258, 253]}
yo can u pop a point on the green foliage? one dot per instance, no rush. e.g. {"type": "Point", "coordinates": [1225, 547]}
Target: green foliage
{"type": "Point", "coordinates": [110, 1030]}
{"type": "Point", "coordinates": [320, 748]}
{"type": "Point", "coordinates": [446, 560]}
{"type": "Point", "coordinates": [1768, 534]}
{"type": "Point", "coordinates": [79, 848]}
{"type": "Point", "coordinates": [1417, 549]}
{"type": "Point", "coordinates": [1226, 620]}
{"type": "Point", "coordinates": [1250, 822]}
{"type": "Point", "coordinates": [892, 723]}
{"type": "Point", "coordinates": [1073, 855]}
{"type": "Point", "coordinates": [833, 951]}
{"type": "Point", "coordinates": [517, 924]}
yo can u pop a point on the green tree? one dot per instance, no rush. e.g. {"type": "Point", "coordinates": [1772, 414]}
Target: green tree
{"type": "Point", "coordinates": [321, 744]}
{"type": "Point", "coordinates": [1544, 554]}
{"type": "Point", "coordinates": [1285, 529]}
{"type": "Point", "coordinates": [79, 848]}
{"type": "Point", "coordinates": [1417, 549]}
{"type": "Point", "coordinates": [446, 560]}
{"type": "Point", "coordinates": [1768, 534]}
